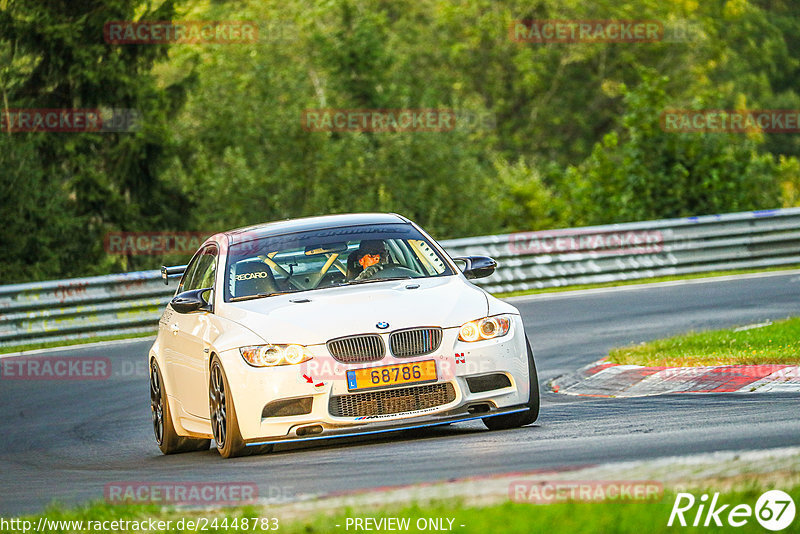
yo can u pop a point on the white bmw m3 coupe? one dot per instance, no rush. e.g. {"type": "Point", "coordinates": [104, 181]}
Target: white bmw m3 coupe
{"type": "Point", "coordinates": [333, 326]}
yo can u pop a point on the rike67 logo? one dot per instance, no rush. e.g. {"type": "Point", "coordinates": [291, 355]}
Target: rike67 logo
{"type": "Point", "coordinates": [774, 510]}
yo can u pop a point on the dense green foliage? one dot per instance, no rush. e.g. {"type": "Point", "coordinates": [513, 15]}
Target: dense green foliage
{"type": "Point", "coordinates": [566, 134]}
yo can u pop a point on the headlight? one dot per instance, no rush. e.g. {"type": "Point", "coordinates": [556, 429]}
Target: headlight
{"type": "Point", "coordinates": [272, 355]}
{"type": "Point", "coordinates": [486, 328]}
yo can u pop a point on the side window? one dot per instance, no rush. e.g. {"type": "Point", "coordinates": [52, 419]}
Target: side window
{"type": "Point", "coordinates": [188, 273]}
{"type": "Point", "coordinates": [202, 271]}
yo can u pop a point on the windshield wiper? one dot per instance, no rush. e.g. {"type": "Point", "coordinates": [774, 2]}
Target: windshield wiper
{"type": "Point", "coordinates": [259, 296]}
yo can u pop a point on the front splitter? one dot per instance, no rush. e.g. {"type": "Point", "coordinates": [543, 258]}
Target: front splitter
{"type": "Point", "coordinates": [396, 425]}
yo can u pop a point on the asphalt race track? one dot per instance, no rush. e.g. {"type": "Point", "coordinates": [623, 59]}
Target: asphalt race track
{"type": "Point", "coordinates": [64, 440]}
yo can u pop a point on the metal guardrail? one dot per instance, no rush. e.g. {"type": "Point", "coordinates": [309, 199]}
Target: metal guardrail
{"type": "Point", "coordinates": [129, 303]}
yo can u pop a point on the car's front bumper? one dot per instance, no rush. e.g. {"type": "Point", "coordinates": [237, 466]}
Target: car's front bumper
{"type": "Point", "coordinates": [453, 416]}
{"type": "Point", "coordinates": [323, 378]}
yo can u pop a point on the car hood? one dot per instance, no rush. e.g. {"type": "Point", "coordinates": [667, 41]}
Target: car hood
{"type": "Point", "coordinates": [319, 315]}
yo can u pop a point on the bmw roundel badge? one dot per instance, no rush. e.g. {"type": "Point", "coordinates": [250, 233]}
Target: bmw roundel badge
{"type": "Point", "coordinates": [382, 325]}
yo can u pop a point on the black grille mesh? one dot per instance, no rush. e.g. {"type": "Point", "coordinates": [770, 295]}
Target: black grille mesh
{"type": "Point", "coordinates": [415, 341]}
{"type": "Point", "coordinates": [392, 400]}
{"type": "Point", "coordinates": [357, 349]}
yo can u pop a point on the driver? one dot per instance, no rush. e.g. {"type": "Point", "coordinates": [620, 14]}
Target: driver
{"type": "Point", "coordinates": [369, 253]}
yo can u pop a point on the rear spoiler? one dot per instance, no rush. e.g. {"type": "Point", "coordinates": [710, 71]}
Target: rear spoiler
{"type": "Point", "coordinates": [166, 272]}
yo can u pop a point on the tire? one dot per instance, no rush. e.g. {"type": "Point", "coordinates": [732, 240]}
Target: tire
{"type": "Point", "coordinates": [167, 438]}
{"type": "Point", "coordinates": [224, 424]}
{"type": "Point", "coordinates": [515, 420]}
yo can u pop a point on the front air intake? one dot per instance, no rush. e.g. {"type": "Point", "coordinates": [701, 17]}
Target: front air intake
{"type": "Point", "coordinates": [478, 384]}
{"type": "Point", "coordinates": [392, 401]}
{"type": "Point", "coordinates": [288, 407]}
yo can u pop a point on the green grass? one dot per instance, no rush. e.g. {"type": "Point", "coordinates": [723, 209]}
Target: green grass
{"type": "Point", "coordinates": [776, 343]}
{"type": "Point", "coordinates": [711, 274]}
{"type": "Point", "coordinates": [53, 344]}
{"type": "Point", "coordinates": [522, 518]}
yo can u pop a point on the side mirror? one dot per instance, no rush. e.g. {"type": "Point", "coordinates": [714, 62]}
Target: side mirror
{"type": "Point", "coordinates": [167, 272]}
{"type": "Point", "coordinates": [191, 301]}
{"type": "Point", "coordinates": [476, 266]}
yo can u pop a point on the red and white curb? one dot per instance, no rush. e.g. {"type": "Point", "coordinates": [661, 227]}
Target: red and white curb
{"type": "Point", "coordinates": [605, 379]}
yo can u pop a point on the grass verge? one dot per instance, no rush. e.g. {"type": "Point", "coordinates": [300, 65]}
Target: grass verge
{"type": "Point", "coordinates": [508, 517]}
{"type": "Point", "coordinates": [712, 274]}
{"type": "Point", "coordinates": [770, 343]}
{"type": "Point", "coordinates": [72, 342]}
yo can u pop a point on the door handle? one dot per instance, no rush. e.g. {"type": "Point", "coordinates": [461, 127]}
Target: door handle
{"type": "Point", "coordinates": [174, 329]}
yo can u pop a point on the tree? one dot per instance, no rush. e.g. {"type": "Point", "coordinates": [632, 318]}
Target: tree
{"type": "Point", "coordinates": [56, 57]}
{"type": "Point", "coordinates": [645, 173]}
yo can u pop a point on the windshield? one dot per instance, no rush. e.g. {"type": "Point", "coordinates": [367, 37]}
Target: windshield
{"type": "Point", "coordinates": [329, 257]}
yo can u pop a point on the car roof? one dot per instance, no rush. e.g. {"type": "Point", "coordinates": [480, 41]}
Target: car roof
{"type": "Point", "coordinates": [311, 223]}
